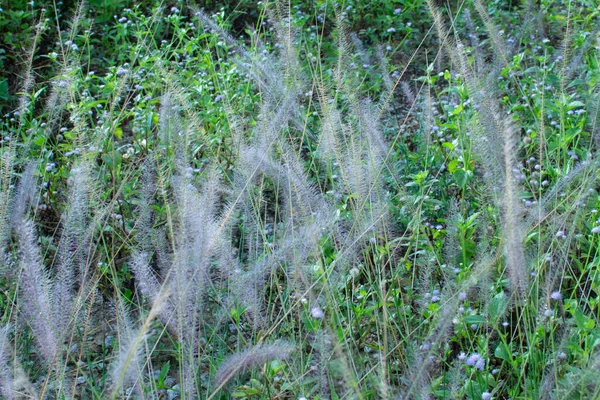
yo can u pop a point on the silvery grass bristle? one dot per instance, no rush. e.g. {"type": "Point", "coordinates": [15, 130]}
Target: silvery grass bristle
{"type": "Point", "coordinates": [495, 142]}
{"type": "Point", "coordinates": [6, 373]}
{"type": "Point", "coordinates": [35, 293]}
{"type": "Point", "coordinates": [130, 362]}
{"type": "Point", "coordinates": [250, 358]}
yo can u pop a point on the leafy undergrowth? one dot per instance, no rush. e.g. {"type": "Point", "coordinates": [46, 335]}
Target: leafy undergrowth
{"type": "Point", "coordinates": [405, 211]}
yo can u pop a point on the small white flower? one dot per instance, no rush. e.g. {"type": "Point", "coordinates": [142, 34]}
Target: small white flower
{"type": "Point", "coordinates": [486, 396]}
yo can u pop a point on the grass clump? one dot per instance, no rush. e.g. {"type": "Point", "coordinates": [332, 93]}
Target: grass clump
{"type": "Point", "coordinates": [299, 211]}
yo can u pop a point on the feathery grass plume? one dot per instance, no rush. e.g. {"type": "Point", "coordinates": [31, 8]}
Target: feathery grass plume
{"type": "Point", "coordinates": [426, 116]}
{"type": "Point", "coordinates": [145, 232]}
{"type": "Point", "coordinates": [495, 142]}
{"type": "Point", "coordinates": [287, 34]}
{"type": "Point", "coordinates": [533, 13]}
{"type": "Point", "coordinates": [14, 384]}
{"type": "Point", "coordinates": [452, 246]}
{"type": "Point", "coordinates": [501, 53]}
{"type": "Point", "coordinates": [322, 346]}
{"type": "Point", "coordinates": [147, 283]}
{"type": "Point", "coordinates": [25, 195]}
{"type": "Point", "coordinates": [514, 232]}
{"type": "Point", "coordinates": [383, 69]}
{"type": "Point", "coordinates": [579, 173]}
{"type": "Point", "coordinates": [6, 373]}
{"type": "Point", "coordinates": [593, 111]}
{"type": "Point", "coordinates": [408, 92]}
{"type": "Point", "coordinates": [128, 366]}
{"type": "Point", "coordinates": [35, 293]}
{"type": "Point", "coordinates": [441, 30]}
{"type": "Point", "coordinates": [170, 124]}
{"type": "Point", "coordinates": [28, 79]}
{"type": "Point", "coordinates": [440, 329]}
{"type": "Point", "coordinates": [478, 55]}
{"type": "Point", "coordinates": [62, 86]}
{"type": "Point", "coordinates": [330, 132]}
{"type": "Point", "coordinates": [580, 382]}
{"type": "Point", "coordinates": [576, 65]}
{"type": "Point", "coordinates": [73, 247]}
{"type": "Point", "coordinates": [250, 358]}
{"type": "Point", "coordinates": [360, 50]}
{"type": "Point", "coordinates": [6, 172]}
{"type": "Point", "coordinates": [197, 236]}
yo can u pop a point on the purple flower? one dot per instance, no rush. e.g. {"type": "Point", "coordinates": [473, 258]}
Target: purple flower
{"type": "Point", "coordinates": [556, 296]}
{"type": "Point", "coordinates": [486, 396]}
{"type": "Point", "coordinates": [475, 360]}
{"type": "Point", "coordinates": [317, 312]}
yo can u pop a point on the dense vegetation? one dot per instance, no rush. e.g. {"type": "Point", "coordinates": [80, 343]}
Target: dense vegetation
{"type": "Point", "coordinates": [387, 199]}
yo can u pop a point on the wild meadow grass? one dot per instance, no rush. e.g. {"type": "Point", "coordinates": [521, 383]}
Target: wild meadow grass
{"type": "Point", "coordinates": [301, 210]}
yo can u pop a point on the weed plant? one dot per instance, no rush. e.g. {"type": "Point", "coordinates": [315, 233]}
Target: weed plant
{"type": "Point", "coordinates": [408, 211]}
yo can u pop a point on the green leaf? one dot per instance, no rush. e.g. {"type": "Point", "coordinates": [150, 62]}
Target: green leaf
{"type": "Point", "coordinates": [497, 306]}
{"type": "Point", "coordinates": [462, 177]}
{"type": "Point", "coordinates": [112, 159]}
{"type": "Point", "coordinates": [452, 165]}
{"type": "Point", "coordinates": [4, 90]}
{"type": "Point", "coordinates": [475, 319]}
{"type": "Point", "coordinates": [164, 371]}
{"type": "Point", "coordinates": [503, 352]}
{"type": "Point", "coordinates": [457, 110]}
